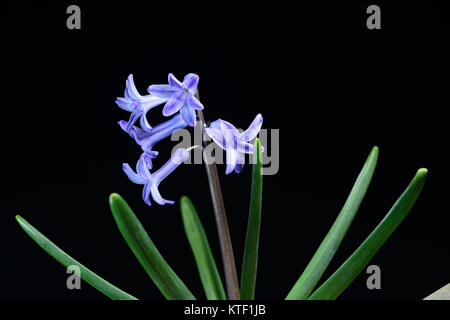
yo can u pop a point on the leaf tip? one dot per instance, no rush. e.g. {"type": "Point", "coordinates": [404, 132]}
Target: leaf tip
{"type": "Point", "coordinates": [422, 172]}
{"type": "Point", "coordinates": [184, 202]}
{"type": "Point", "coordinates": [114, 196]}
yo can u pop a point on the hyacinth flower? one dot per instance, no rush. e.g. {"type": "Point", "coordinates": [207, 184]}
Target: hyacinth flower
{"type": "Point", "coordinates": [151, 181]}
{"type": "Point", "coordinates": [235, 144]}
{"type": "Point", "coordinates": [179, 96]}
{"type": "Point", "coordinates": [137, 104]}
{"type": "Point", "coordinates": [147, 137]}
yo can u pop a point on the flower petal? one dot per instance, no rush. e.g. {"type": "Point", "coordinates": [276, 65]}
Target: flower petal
{"type": "Point", "coordinates": [217, 136]}
{"type": "Point", "coordinates": [174, 81]}
{"type": "Point", "coordinates": [244, 147]}
{"type": "Point", "coordinates": [240, 162]}
{"type": "Point", "coordinates": [147, 157]}
{"type": "Point", "coordinates": [253, 129]}
{"type": "Point", "coordinates": [188, 115]}
{"type": "Point", "coordinates": [175, 103]}
{"type": "Point", "coordinates": [194, 103]}
{"type": "Point", "coordinates": [144, 123]}
{"type": "Point", "coordinates": [146, 193]}
{"type": "Point", "coordinates": [139, 135]}
{"type": "Point", "coordinates": [162, 90]}
{"type": "Point", "coordinates": [190, 82]}
{"type": "Point", "coordinates": [143, 167]}
{"type": "Point", "coordinates": [125, 104]}
{"type": "Point", "coordinates": [228, 131]}
{"type": "Point", "coordinates": [133, 118]}
{"type": "Point", "coordinates": [231, 161]}
{"type": "Point", "coordinates": [133, 176]}
{"type": "Point", "coordinates": [157, 196]}
{"type": "Point", "coordinates": [131, 89]}
{"type": "Point", "coordinates": [178, 157]}
{"type": "Point", "coordinates": [140, 169]}
{"type": "Point", "coordinates": [176, 122]}
{"type": "Point", "coordinates": [152, 154]}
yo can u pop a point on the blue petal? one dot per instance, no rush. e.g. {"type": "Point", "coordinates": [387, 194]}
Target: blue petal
{"type": "Point", "coordinates": [188, 115]}
{"type": "Point", "coordinates": [253, 129]}
{"type": "Point", "coordinates": [144, 123]}
{"type": "Point", "coordinates": [140, 169]}
{"type": "Point", "coordinates": [146, 193]}
{"type": "Point", "coordinates": [133, 118]}
{"type": "Point", "coordinates": [143, 167]}
{"type": "Point", "coordinates": [162, 90]}
{"type": "Point", "coordinates": [244, 147]}
{"type": "Point", "coordinates": [240, 162]}
{"type": "Point", "coordinates": [125, 104]}
{"type": "Point", "coordinates": [147, 157]}
{"type": "Point", "coordinates": [229, 132]}
{"type": "Point", "coordinates": [231, 161]}
{"type": "Point", "coordinates": [157, 196]}
{"type": "Point", "coordinates": [217, 136]}
{"type": "Point", "coordinates": [134, 177]}
{"type": "Point", "coordinates": [175, 103]}
{"type": "Point", "coordinates": [174, 81]}
{"type": "Point", "coordinates": [178, 157]}
{"type": "Point", "coordinates": [131, 89]}
{"type": "Point", "coordinates": [190, 82]}
{"type": "Point", "coordinates": [226, 126]}
{"type": "Point", "coordinates": [123, 124]}
{"type": "Point", "coordinates": [194, 103]}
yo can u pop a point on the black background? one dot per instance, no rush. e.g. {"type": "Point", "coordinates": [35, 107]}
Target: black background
{"type": "Point", "coordinates": [332, 87]}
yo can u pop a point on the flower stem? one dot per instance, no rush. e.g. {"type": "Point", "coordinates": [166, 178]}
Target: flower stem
{"type": "Point", "coordinates": [223, 231]}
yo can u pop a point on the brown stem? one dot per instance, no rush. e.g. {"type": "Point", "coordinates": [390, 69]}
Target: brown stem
{"type": "Point", "coordinates": [226, 247]}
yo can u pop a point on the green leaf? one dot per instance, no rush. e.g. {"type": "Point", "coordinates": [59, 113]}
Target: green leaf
{"type": "Point", "coordinates": [204, 259]}
{"type": "Point", "coordinates": [250, 259]}
{"type": "Point", "coordinates": [87, 275]}
{"type": "Point", "coordinates": [350, 269]}
{"type": "Point", "coordinates": [325, 253]}
{"type": "Point", "coordinates": [146, 252]}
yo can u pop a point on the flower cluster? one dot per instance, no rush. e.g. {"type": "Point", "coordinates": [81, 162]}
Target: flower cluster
{"type": "Point", "coordinates": [180, 103]}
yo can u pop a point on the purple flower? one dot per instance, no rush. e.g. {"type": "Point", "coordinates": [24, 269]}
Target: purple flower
{"type": "Point", "coordinates": [147, 137]}
{"type": "Point", "coordinates": [151, 181]}
{"type": "Point", "coordinates": [136, 104]}
{"type": "Point", "coordinates": [233, 142]}
{"type": "Point", "coordinates": [179, 96]}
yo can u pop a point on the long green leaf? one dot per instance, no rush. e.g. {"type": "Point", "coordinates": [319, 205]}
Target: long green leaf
{"type": "Point", "coordinates": [146, 252]}
{"type": "Point", "coordinates": [87, 275]}
{"type": "Point", "coordinates": [350, 269]}
{"type": "Point", "coordinates": [207, 269]}
{"type": "Point", "coordinates": [250, 259]}
{"type": "Point", "coordinates": [321, 259]}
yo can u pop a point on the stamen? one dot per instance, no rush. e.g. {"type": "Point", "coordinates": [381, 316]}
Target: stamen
{"type": "Point", "coordinates": [193, 147]}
